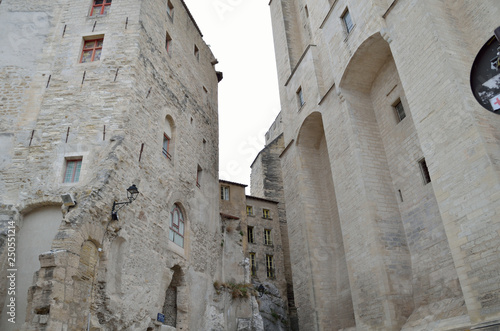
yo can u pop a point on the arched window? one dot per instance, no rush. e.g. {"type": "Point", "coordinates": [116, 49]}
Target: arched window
{"type": "Point", "coordinates": [176, 233]}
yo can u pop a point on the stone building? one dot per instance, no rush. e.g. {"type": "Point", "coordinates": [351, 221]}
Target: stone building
{"type": "Point", "coordinates": [252, 233]}
{"type": "Point", "coordinates": [386, 166]}
{"type": "Point", "coordinates": [96, 96]}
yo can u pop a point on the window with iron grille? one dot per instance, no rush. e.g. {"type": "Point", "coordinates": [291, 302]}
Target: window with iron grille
{"type": "Point", "coordinates": [176, 233]}
{"type": "Point", "coordinates": [92, 50]}
{"type": "Point", "coordinates": [271, 272]}
{"type": "Point", "coordinates": [268, 240]}
{"type": "Point", "coordinates": [100, 7]}
{"type": "Point", "coordinates": [72, 171]}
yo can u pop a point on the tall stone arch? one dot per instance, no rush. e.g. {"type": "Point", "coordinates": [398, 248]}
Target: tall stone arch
{"type": "Point", "coordinates": [412, 272]}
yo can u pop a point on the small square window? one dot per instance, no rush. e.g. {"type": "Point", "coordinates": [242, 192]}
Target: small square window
{"type": "Point", "coordinates": [168, 43]}
{"type": "Point", "coordinates": [251, 238]}
{"type": "Point", "coordinates": [425, 171]}
{"type": "Point", "coordinates": [399, 110]}
{"type": "Point", "coordinates": [249, 210]}
{"type": "Point", "coordinates": [170, 10]}
{"type": "Point", "coordinates": [265, 213]}
{"type": "Point", "coordinates": [300, 97]}
{"type": "Point", "coordinates": [197, 53]}
{"type": "Point", "coordinates": [268, 240]}
{"type": "Point", "coordinates": [100, 7]}
{"type": "Point", "coordinates": [346, 18]}
{"type": "Point", "coordinates": [72, 172]}
{"type": "Point", "coordinates": [224, 193]}
{"type": "Point", "coordinates": [92, 50]}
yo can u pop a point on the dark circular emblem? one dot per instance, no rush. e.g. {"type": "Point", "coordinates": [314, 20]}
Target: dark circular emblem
{"type": "Point", "coordinates": [485, 75]}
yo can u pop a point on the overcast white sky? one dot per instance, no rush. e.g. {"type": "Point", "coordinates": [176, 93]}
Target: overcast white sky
{"type": "Point", "coordinates": [240, 35]}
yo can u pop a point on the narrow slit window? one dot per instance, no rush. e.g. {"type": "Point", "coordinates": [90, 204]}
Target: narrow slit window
{"type": "Point", "coordinates": [72, 172]}
{"type": "Point", "coordinates": [300, 97]}
{"type": "Point", "coordinates": [168, 43]}
{"type": "Point", "coordinates": [92, 50]}
{"type": "Point", "coordinates": [166, 146]}
{"type": "Point", "coordinates": [347, 19]}
{"type": "Point", "coordinates": [100, 7]}
{"type": "Point", "coordinates": [199, 173]}
{"type": "Point", "coordinates": [425, 171]}
{"type": "Point", "coordinates": [170, 10]}
{"type": "Point", "coordinates": [399, 110]}
{"type": "Point", "coordinates": [197, 53]}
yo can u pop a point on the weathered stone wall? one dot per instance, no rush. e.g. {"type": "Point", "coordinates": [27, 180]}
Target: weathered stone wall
{"type": "Point", "coordinates": [414, 252]}
{"type": "Point", "coordinates": [113, 114]}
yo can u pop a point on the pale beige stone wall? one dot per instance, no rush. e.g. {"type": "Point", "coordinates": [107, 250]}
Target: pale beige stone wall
{"type": "Point", "coordinates": [116, 111]}
{"type": "Point", "coordinates": [411, 262]}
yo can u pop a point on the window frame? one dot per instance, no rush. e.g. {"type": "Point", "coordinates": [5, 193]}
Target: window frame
{"type": "Point", "coordinates": [168, 43]}
{"type": "Point", "coordinates": [250, 211]}
{"type": "Point", "coordinates": [268, 239]}
{"type": "Point", "coordinates": [93, 49]}
{"type": "Point", "coordinates": [270, 268]}
{"type": "Point", "coordinates": [250, 234]}
{"type": "Point", "coordinates": [170, 10]}
{"type": "Point", "coordinates": [105, 3]}
{"type": "Point", "coordinates": [266, 213]}
{"type": "Point", "coordinates": [224, 193]}
{"type": "Point", "coordinates": [175, 230]}
{"type": "Point", "coordinates": [347, 14]}
{"type": "Point", "coordinates": [166, 152]}
{"type": "Point", "coordinates": [424, 171]}
{"type": "Point", "coordinates": [395, 105]}
{"type": "Point", "coordinates": [76, 170]}
{"type": "Point", "coordinates": [253, 264]}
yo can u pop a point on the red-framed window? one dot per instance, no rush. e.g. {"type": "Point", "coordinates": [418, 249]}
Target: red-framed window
{"type": "Point", "coordinates": [176, 233]}
{"type": "Point", "coordinates": [166, 146]}
{"type": "Point", "coordinates": [100, 7]}
{"type": "Point", "coordinates": [92, 50]}
{"type": "Point", "coordinates": [72, 171]}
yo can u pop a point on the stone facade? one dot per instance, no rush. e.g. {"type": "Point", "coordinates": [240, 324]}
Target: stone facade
{"type": "Point", "coordinates": [252, 232]}
{"type": "Point", "coordinates": [77, 267]}
{"type": "Point", "coordinates": [393, 220]}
